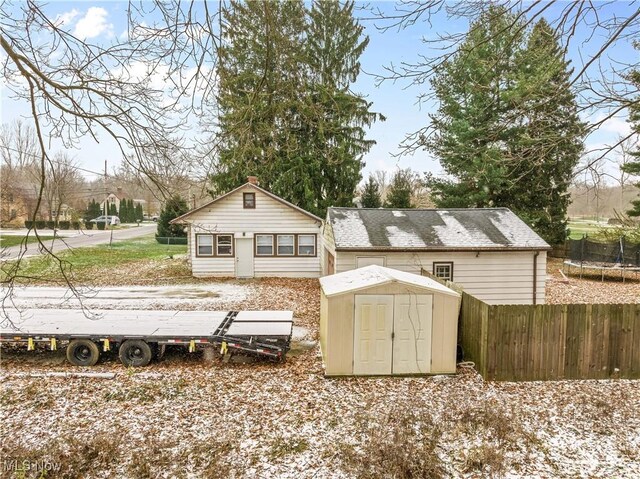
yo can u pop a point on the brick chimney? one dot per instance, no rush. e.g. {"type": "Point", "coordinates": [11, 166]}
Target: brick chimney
{"type": "Point", "coordinates": [253, 180]}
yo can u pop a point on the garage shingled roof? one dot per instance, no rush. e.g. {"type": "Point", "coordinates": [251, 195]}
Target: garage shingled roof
{"type": "Point", "coordinates": [431, 229]}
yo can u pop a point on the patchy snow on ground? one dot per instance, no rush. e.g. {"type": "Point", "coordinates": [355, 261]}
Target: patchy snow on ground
{"type": "Point", "coordinates": [181, 417]}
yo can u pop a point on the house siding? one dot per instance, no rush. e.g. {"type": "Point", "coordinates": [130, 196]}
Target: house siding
{"type": "Point", "coordinates": [501, 277]}
{"type": "Point", "coordinates": [268, 217]}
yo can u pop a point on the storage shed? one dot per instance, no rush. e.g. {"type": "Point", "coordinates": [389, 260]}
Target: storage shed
{"type": "Point", "coordinates": [380, 321]}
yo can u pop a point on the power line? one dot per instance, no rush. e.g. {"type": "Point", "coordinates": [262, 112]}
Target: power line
{"type": "Point", "coordinates": [57, 161]}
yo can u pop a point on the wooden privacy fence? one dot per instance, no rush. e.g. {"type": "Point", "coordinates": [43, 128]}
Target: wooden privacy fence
{"type": "Point", "coordinates": [550, 341]}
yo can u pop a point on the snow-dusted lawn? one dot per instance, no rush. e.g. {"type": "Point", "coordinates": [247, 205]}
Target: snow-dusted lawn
{"type": "Point", "coordinates": [181, 418]}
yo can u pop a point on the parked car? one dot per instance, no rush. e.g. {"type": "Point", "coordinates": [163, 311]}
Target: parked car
{"type": "Point", "coordinates": [106, 219]}
{"type": "Point", "coordinates": [147, 217]}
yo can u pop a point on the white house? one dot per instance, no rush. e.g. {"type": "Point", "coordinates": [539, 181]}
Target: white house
{"type": "Point", "coordinates": [490, 252]}
{"type": "Point", "coordinates": [250, 232]}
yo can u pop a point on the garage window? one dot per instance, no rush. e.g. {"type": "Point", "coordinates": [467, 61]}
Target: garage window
{"type": "Point", "coordinates": [285, 245]}
{"type": "Point", "coordinates": [264, 245]}
{"type": "Point", "coordinates": [224, 245]}
{"type": "Point", "coordinates": [306, 245]}
{"type": "Point", "coordinates": [443, 270]}
{"type": "Point", "coordinates": [204, 245]}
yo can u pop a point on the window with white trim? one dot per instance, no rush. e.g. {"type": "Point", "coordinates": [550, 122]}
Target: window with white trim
{"type": "Point", "coordinates": [264, 245]}
{"type": "Point", "coordinates": [286, 245]}
{"type": "Point", "coordinates": [204, 245]}
{"type": "Point", "coordinates": [224, 245]}
{"type": "Point", "coordinates": [443, 270]}
{"type": "Point", "coordinates": [306, 245]}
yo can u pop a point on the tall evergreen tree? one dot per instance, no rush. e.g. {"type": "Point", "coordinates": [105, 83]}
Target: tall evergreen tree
{"type": "Point", "coordinates": [507, 129]}
{"type": "Point", "coordinates": [371, 197]}
{"type": "Point", "coordinates": [123, 212]}
{"type": "Point", "coordinates": [288, 115]}
{"type": "Point", "coordinates": [335, 129]}
{"type": "Point", "coordinates": [399, 194]}
{"type": "Point", "coordinates": [633, 167]}
{"type": "Point", "coordinates": [549, 143]}
{"type": "Point", "coordinates": [261, 82]}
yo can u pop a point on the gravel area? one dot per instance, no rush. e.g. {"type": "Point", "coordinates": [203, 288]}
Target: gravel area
{"type": "Point", "coordinates": [183, 418]}
{"type": "Point", "coordinates": [590, 289]}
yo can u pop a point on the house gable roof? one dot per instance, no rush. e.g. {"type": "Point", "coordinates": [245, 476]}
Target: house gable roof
{"type": "Point", "coordinates": [373, 275]}
{"type": "Point", "coordinates": [457, 229]}
{"type": "Point", "coordinates": [182, 218]}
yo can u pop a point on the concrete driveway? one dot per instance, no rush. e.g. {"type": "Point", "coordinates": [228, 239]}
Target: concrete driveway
{"type": "Point", "coordinates": [86, 238]}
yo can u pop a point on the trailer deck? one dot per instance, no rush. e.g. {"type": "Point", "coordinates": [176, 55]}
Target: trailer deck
{"type": "Point", "coordinates": [262, 333]}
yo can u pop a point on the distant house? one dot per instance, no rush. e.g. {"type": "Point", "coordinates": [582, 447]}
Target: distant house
{"type": "Point", "coordinates": [250, 232]}
{"type": "Point", "coordinates": [111, 199]}
{"type": "Point", "coordinates": [491, 252]}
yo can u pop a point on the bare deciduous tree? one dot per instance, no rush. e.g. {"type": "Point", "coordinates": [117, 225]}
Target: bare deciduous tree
{"type": "Point", "coordinates": [142, 89]}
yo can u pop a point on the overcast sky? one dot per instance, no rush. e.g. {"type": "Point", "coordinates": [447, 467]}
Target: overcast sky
{"type": "Point", "coordinates": [104, 21]}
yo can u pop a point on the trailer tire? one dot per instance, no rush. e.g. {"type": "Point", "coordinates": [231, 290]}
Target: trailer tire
{"type": "Point", "coordinates": [135, 352]}
{"type": "Point", "coordinates": [83, 352]}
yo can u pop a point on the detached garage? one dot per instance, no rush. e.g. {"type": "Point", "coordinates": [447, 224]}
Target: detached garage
{"type": "Point", "coordinates": [380, 321]}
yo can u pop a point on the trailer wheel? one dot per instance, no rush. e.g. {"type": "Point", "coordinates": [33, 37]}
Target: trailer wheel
{"type": "Point", "coordinates": [135, 352]}
{"type": "Point", "coordinates": [83, 352]}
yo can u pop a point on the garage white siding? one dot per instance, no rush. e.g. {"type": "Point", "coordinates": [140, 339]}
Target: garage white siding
{"type": "Point", "coordinates": [270, 216]}
{"type": "Point", "coordinates": [501, 277]}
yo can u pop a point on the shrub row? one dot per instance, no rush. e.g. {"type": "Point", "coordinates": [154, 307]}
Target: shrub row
{"type": "Point", "coordinates": [63, 225]}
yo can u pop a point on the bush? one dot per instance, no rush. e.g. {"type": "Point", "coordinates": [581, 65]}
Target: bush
{"type": "Point", "coordinates": [64, 225]}
{"type": "Point", "coordinates": [88, 225]}
{"type": "Point", "coordinates": [51, 225]}
{"type": "Point", "coordinates": [174, 207]}
{"type": "Point", "coordinates": [28, 224]}
{"type": "Point", "coordinates": [171, 240]}
{"type": "Point", "coordinates": [101, 225]}
{"type": "Point", "coordinates": [75, 225]}
{"type": "Point", "coordinates": [41, 224]}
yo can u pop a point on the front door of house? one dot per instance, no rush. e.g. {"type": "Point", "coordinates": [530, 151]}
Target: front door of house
{"type": "Point", "coordinates": [244, 257]}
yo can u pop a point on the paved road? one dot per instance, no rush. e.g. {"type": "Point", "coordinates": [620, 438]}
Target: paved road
{"type": "Point", "coordinates": [87, 238]}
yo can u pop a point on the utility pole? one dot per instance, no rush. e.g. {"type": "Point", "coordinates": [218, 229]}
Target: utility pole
{"type": "Point", "coordinates": [105, 189]}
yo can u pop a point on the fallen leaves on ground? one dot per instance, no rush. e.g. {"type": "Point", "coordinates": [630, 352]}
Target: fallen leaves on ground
{"type": "Point", "coordinates": [591, 288]}
{"type": "Point", "coordinates": [182, 418]}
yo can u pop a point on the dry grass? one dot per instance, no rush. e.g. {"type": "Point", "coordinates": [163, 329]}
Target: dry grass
{"type": "Point", "coordinates": [402, 445]}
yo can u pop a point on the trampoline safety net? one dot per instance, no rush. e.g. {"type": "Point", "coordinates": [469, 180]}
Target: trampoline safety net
{"type": "Point", "coordinates": [620, 253]}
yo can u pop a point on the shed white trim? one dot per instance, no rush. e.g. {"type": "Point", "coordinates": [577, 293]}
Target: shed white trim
{"type": "Point", "coordinates": [374, 275]}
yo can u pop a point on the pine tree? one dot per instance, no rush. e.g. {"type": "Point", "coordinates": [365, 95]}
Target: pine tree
{"type": "Point", "coordinates": [113, 210]}
{"type": "Point", "coordinates": [507, 129]}
{"type": "Point", "coordinates": [261, 76]}
{"type": "Point", "coordinates": [174, 207]}
{"type": "Point", "coordinates": [288, 115]}
{"type": "Point", "coordinates": [633, 167]}
{"type": "Point", "coordinates": [399, 194]}
{"type": "Point", "coordinates": [337, 116]}
{"type": "Point", "coordinates": [549, 143]}
{"type": "Point", "coordinates": [139, 212]}
{"type": "Point", "coordinates": [371, 197]}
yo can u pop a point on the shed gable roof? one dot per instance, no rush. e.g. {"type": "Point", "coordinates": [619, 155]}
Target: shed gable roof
{"type": "Point", "coordinates": [373, 275]}
{"type": "Point", "coordinates": [182, 218]}
{"type": "Point", "coordinates": [431, 229]}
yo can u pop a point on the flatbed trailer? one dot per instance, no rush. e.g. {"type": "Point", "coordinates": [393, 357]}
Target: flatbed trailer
{"type": "Point", "coordinates": [139, 335]}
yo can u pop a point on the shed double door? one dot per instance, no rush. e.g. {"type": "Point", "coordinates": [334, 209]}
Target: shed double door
{"type": "Point", "coordinates": [392, 334]}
